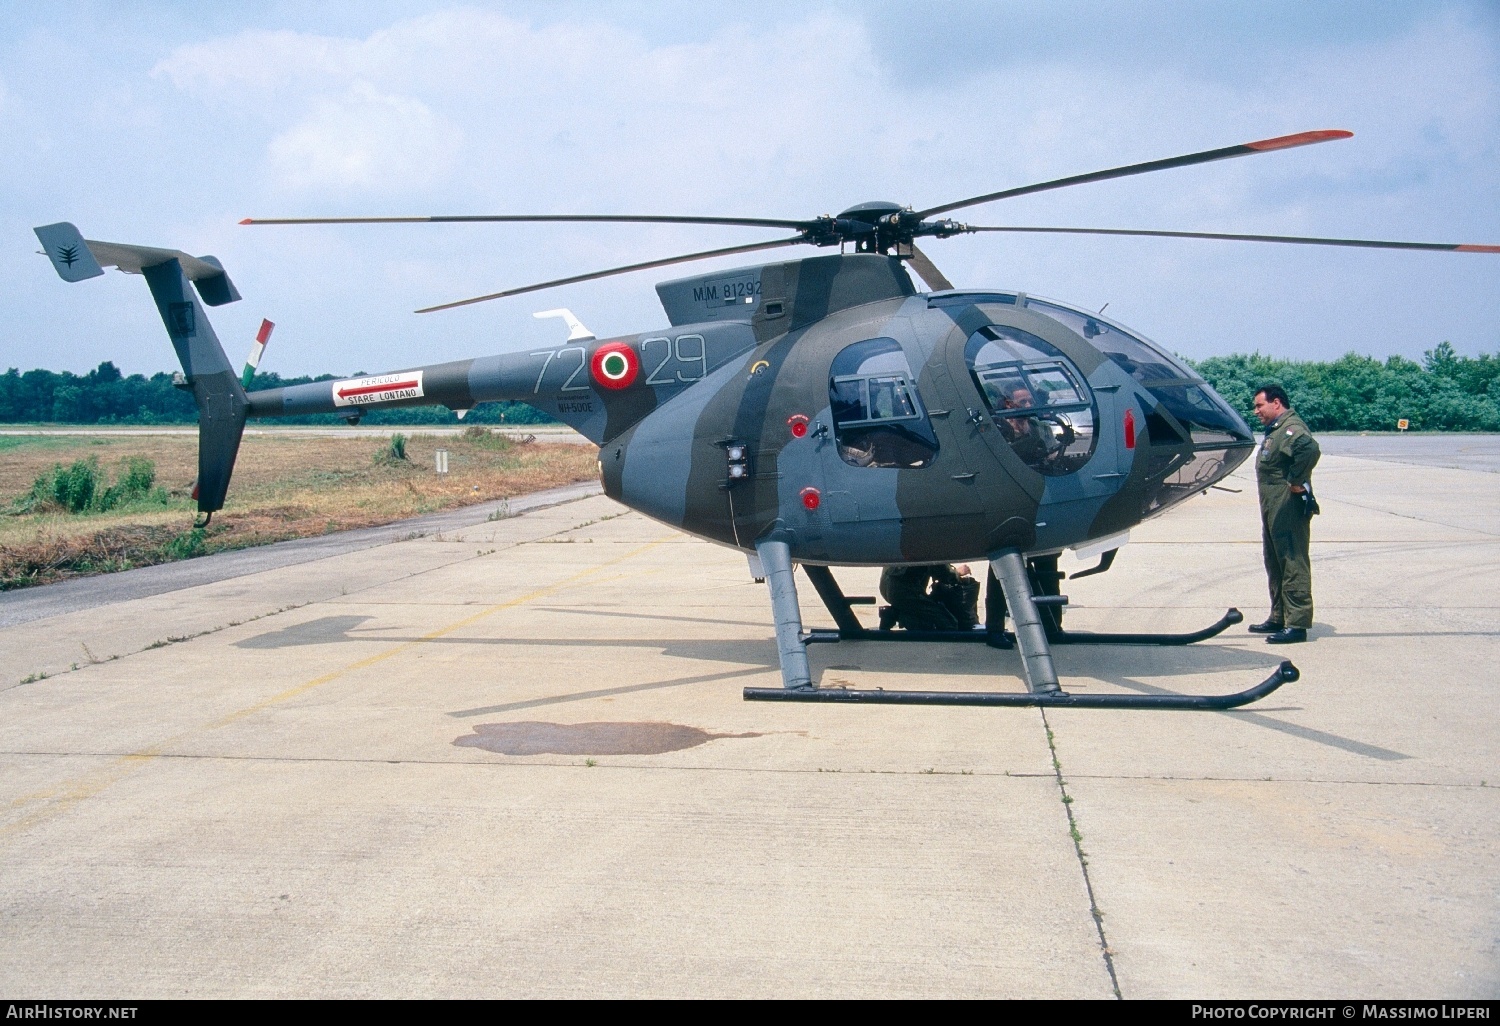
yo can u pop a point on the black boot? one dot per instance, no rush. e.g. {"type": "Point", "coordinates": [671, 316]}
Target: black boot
{"type": "Point", "coordinates": [1288, 636]}
{"type": "Point", "coordinates": [1269, 627]}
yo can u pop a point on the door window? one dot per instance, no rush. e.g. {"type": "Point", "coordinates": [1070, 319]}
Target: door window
{"type": "Point", "coordinates": [1036, 397]}
{"type": "Point", "coordinates": [878, 417]}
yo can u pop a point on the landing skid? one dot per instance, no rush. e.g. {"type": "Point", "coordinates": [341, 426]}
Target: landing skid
{"type": "Point", "coordinates": [1284, 674]}
{"type": "Point", "coordinates": [1034, 636]}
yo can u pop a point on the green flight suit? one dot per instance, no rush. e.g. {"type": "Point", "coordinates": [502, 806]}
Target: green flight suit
{"type": "Point", "coordinates": [951, 605]}
{"type": "Point", "coordinates": [1286, 458]}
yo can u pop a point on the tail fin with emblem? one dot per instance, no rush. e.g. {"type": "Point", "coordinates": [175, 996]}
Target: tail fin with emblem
{"type": "Point", "coordinates": [172, 277]}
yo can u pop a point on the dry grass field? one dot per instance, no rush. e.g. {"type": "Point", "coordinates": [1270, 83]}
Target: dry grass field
{"type": "Point", "coordinates": [284, 486]}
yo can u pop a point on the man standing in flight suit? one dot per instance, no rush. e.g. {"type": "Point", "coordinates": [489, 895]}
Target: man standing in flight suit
{"type": "Point", "coordinates": [1283, 472]}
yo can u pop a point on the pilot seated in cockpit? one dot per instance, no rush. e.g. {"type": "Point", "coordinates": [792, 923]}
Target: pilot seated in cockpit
{"type": "Point", "coordinates": [1038, 440]}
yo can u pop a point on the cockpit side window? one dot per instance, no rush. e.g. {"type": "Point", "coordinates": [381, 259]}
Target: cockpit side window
{"type": "Point", "coordinates": [1035, 395]}
{"type": "Point", "coordinates": [878, 417]}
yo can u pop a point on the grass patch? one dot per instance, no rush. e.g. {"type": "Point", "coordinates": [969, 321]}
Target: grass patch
{"type": "Point", "coordinates": [394, 452]}
{"type": "Point", "coordinates": [284, 487]}
{"type": "Point", "coordinates": [82, 488]}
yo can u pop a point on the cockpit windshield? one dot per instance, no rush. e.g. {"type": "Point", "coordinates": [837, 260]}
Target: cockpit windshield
{"type": "Point", "coordinates": [1181, 393]}
{"type": "Point", "coordinates": [1141, 360]}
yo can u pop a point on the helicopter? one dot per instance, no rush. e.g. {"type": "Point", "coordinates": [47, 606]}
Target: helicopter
{"type": "Point", "coordinates": [823, 412]}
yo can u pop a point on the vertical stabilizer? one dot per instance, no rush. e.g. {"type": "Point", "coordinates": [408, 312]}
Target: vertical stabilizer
{"type": "Point", "coordinates": [222, 405]}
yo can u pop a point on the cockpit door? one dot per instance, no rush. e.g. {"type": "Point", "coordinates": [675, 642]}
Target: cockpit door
{"type": "Point", "coordinates": [1029, 404]}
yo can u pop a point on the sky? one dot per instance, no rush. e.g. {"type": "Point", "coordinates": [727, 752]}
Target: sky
{"type": "Point", "coordinates": [164, 124]}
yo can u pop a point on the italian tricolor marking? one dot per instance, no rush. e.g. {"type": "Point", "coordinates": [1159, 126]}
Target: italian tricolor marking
{"type": "Point", "coordinates": [380, 389]}
{"type": "Point", "coordinates": [615, 366]}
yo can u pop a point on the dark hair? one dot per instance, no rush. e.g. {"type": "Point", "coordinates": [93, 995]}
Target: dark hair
{"type": "Point", "coordinates": [1274, 394]}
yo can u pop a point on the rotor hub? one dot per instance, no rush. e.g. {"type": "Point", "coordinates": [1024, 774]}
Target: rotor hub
{"type": "Point", "coordinates": [879, 226]}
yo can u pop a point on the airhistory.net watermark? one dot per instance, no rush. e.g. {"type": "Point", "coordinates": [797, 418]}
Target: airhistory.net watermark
{"type": "Point", "coordinates": [58, 1010]}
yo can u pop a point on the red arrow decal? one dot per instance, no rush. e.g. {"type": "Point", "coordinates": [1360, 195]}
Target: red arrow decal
{"type": "Point", "coordinates": [345, 393]}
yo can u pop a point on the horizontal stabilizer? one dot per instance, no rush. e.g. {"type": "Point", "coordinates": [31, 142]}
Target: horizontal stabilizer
{"type": "Point", "coordinates": [68, 252]}
{"type": "Point", "coordinates": [77, 258]}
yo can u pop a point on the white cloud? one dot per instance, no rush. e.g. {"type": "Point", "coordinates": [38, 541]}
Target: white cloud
{"type": "Point", "coordinates": [581, 113]}
{"type": "Point", "coordinates": [256, 63]}
{"type": "Point", "coordinates": [367, 141]}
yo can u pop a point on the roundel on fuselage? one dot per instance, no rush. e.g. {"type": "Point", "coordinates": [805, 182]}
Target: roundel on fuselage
{"type": "Point", "coordinates": [615, 366]}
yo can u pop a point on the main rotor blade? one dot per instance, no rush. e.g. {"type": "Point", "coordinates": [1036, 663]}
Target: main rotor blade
{"type": "Point", "coordinates": [1243, 150]}
{"type": "Point", "coordinates": [927, 271]}
{"type": "Point", "coordinates": [1301, 240]}
{"type": "Point", "coordinates": [619, 270]}
{"type": "Point", "coordinates": [748, 222]}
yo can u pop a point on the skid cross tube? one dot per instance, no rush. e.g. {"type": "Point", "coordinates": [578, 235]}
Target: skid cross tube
{"type": "Point", "coordinates": [820, 636]}
{"type": "Point", "coordinates": [1284, 674]}
{"type": "Point", "coordinates": [850, 629]}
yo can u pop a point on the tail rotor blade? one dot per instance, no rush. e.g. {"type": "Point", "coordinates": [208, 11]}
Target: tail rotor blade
{"type": "Point", "coordinates": [1243, 150]}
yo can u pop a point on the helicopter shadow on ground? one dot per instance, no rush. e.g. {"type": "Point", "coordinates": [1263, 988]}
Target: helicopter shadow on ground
{"type": "Point", "coordinates": [327, 630]}
{"type": "Point", "coordinates": [984, 668]}
{"type": "Point", "coordinates": [574, 611]}
{"type": "Point", "coordinates": [333, 630]}
{"type": "Point", "coordinates": [968, 660]}
{"type": "Point", "coordinates": [754, 656]}
{"type": "Point", "coordinates": [1259, 718]}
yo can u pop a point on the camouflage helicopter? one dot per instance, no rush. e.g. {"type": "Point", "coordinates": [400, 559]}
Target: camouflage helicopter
{"type": "Point", "coordinates": [823, 412]}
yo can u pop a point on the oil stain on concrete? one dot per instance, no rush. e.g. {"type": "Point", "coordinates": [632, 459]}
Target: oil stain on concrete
{"type": "Point", "coordinates": [535, 738]}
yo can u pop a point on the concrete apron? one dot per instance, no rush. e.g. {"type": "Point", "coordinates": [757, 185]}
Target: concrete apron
{"type": "Point", "coordinates": [512, 759]}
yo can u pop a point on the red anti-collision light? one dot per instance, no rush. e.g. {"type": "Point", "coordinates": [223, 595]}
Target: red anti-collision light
{"type": "Point", "coordinates": [811, 498]}
{"type": "Point", "coordinates": [1130, 429]}
{"type": "Point", "coordinates": [798, 423]}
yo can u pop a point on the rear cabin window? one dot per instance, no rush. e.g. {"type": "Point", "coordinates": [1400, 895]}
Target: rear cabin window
{"type": "Point", "coordinates": [878, 417]}
{"type": "Point", "coordinates": [1036, 398]}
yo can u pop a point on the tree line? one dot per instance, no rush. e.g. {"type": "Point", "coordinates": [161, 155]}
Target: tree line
{"type": "Point", "coordinates": [1444, 392]}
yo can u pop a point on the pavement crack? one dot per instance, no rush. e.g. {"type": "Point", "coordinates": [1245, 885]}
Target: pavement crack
{"type": "Point", "coordinates": [1083, 860]}
{"type": "Point", "coordinates": [93, 660]}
